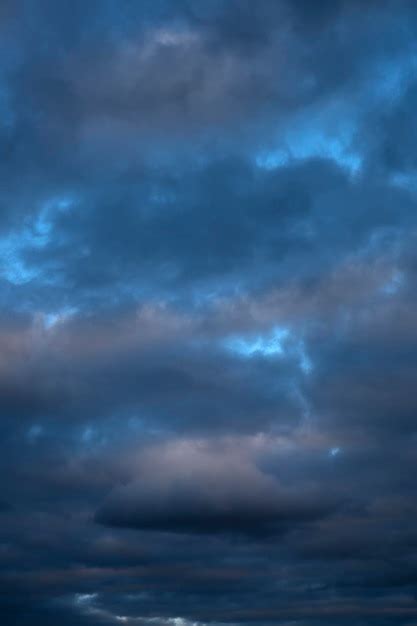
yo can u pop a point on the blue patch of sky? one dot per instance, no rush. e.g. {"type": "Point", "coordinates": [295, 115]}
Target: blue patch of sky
{"type": "Point", "coordinates": [275, 343]}
{"type": "Point", "coordinates": [333, 452]}
{"type": "Point", "coordinates": [12, 267]}
{"type": "Point", "coordinates": [307, 143]}
{"type": "Point", "coordinates": [52, 318]}
{"type": "Point", "coordinates": [305, 362]}
{"type": "Point", "coordinates": [36, 234]}
{"type": "Point", "coordinates": [269, 344]}
{"type": "Point", "coordinates": [331, 133]}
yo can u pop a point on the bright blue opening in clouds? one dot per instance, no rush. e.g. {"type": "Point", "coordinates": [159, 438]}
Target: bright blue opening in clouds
{"type": "Point", "coordinates": [270, 344]}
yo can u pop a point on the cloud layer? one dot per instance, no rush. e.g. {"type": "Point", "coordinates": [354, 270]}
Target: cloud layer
{"type": "Point", "coordinates": [208, 225]}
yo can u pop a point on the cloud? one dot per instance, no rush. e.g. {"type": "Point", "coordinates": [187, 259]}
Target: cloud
{"type": "Point", "coordinates": [186, 487]}
{"type": "Point", "coordinates": [207, 330]}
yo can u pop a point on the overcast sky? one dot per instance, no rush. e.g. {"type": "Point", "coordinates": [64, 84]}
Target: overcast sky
{"type": "Point", "coordinates": [208, 312]}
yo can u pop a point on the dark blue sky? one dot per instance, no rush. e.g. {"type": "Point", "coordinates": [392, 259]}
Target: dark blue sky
{"type": "Point", "coordinates": [208, 312]}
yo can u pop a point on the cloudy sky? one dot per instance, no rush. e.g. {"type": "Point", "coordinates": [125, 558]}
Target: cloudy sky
{"type": "Point", "coordinates": [208, 312]}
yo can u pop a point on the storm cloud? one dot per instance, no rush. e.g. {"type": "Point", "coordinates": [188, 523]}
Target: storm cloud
{"type": "Point", "coordinates": [208, 339]}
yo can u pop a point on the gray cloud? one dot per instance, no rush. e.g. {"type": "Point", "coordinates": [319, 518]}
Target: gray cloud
{"type": "Point", "coordinates": [190, 488]}
{"type": "Point", "coordinates": [207, 328]}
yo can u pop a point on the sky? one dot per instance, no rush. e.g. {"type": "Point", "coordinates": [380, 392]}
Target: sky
{"type": "Point", "coordinates": [208, 312]}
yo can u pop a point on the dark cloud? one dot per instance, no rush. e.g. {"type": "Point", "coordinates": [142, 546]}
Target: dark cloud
{"type": "Point", "coordinates": [191, 489]}
{"type": "Point", "coordinates": [207, 330]}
